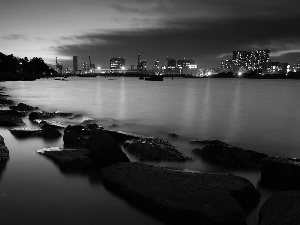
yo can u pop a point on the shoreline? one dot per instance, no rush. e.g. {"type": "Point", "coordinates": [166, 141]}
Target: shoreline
{"type": "Point", "coordinates": [4, 90]}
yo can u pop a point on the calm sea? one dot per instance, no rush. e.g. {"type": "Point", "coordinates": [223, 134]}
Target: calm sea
{"type": "Point", "coordinates": [261, 115]}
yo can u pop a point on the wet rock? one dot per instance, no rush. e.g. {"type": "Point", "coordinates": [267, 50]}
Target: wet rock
{"type": "Point", "coordinates": [80, 119]}
{"type": "Point", "coordinates": [231, 156]}
{"type": "Point", "coordinates": [207, 142]}
{"type": "Point", "coordinates": [49, 133]}
{"type": "Point", "coordinates": [281, 209]}
{"type": "Point", "coordinates": [182, 197]}
{"type": "Point", "coordinates": [59, 113]}
{"type": "Point", "coordinates": [121, 136]}
{"type": "Point", "coordinates": [92, 126]}
{"type": "Point", "coordinates": [44, 115]}
{"type": "Point", "coordinates": [73, 139]}
{"type": "Point", "coordinates": [154, 149]}
{"type": "Point", "coordinates": [14, 112]}
{"type": "Point", "coordinates": [24, 132]}
{"type": "Point", "coordinates": [10, 120]}
{"type": "Point", "coordinates": [69, 159]}
{"type": "Point", "coordinates": [23, 107]}
{"type": "Point", "coordinates": [4, 153]}
{"type": "Point", "coordinates": [80, 129]}
{"type": "Point", "coordinates": [105, 148]}
{"type": "Point", "coordinates": [280, 173]}
{"type": "Point", "coordinates": [4, 101]}
{"type": "Point", "coordinates": [48, 123]}
{"type": "Point", "coordinates": [114, 125]}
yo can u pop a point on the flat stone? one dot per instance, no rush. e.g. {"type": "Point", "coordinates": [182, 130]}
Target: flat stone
{"type": "Point", "coordinates": [4, 153]}
{"type": "Point", "coordinates": [24, 132]}
{"type": "Point", "coordinates": [23, 107]}
{"type": "Point", "coordinates": [44, 115]}
{"type": "Point", "coordinates": [69, 159]}
{"type": "Point", "coordinates": [48, 123]}
{"type": "Point", "coordinates": [121, 136]}
{"type": "Point", "coordinates": [229, 155]}
{"type": "Point", "coordinates": [182, 197]}
{"type": "Point", "coordinates": [154, 149]}
{"type": "Point", "coordinates": [280, 173]}
{"type": "Point", "coordinates": [281, 209]}
{"type": "Point", "coordinates": [10, 120]}
{"type": "Point", "coordinates": [105, 148]}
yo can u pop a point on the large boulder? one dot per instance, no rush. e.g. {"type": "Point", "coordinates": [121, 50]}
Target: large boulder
{"type": "Point", "coordinates": [281, 209]}
{"type": "Point", "coordinates": [80, 129]}
{"type": "Point", "coordinates": [23, 107]}
{"type": "Point", "coordinates": [229, 155]}
{"type": "Point", "coordinates": [121, 136]}
{"type": "Point", "coordinates": [154, 149]}
{"type": "Point", "coordinates": [69, 159]}
{"type": "Point", "coordinates": [280, 173]}
{"type": "Point", "coordinates": [105, 148]}
{"type": "Point", "coordinates": [73, 139]}
{"type": "Point", "coordinates": [24, 132]}
{"type": "Point", "coordinates": [10, 120]}
{"type": "Point", "coordinates": [183, 197]}
{"type": "Point", "coordinates": [4, 153]}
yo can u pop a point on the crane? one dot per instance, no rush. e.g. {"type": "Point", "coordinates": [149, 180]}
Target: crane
{"type": "Point", "coordinates": [59, 67]}
{"type": "Point", "coordinates": [92, 66]}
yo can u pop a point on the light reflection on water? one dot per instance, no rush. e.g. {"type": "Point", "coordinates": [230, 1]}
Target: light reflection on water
{"type": "Point", "coordinates": [254, 114]}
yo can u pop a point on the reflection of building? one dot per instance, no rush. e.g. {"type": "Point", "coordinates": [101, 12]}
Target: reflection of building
{"type": "Point", "coordinates": [75, 64]}
{"type": "Point", "coordinates": [117, 63]}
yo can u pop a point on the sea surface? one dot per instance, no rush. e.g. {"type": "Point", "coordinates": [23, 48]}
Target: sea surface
{"type": "Point", "coordinates": [261, 115]}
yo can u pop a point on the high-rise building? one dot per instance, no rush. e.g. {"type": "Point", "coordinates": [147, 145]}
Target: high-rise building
{"type": "Point", "coordinates": [117, 63]}
{"type": "Point", "coordinates": [75, 64]}
{"type": "Point", "coordinates": [171, 63]}
{"type": "Point", "coordinates": [156, 66]}
{"type": "Point", "coordinates": [186, 63]}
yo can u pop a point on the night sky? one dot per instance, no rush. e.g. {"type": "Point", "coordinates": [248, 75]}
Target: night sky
{"type": "Point", "coordinates": [207, 30]}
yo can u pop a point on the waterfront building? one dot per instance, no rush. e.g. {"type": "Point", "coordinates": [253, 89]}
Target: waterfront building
{"type": "Point", "coordinates": [226, 65]}
{"type": "Point", "coordinates": [156, 69]}
{"type": "Point", "coordinates": [75, 64]}
{"type": "Point", "coordinates": [171, 63]}
{"type": "Point", "coordinates": [277, 68]}
{"type": "Point", "coordinates": [117, 63]}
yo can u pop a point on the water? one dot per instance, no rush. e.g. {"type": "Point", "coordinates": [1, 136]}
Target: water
{"type": "Point", "coordinates": [262, 115]}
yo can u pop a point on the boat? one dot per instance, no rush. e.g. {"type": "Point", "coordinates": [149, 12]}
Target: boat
{"type": "Point", "coordinates": [154, 78]}
{"type": "Point", "coordinates": [141, 78]}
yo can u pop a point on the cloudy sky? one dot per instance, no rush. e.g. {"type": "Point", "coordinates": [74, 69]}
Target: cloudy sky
{"type": "Point", "coordinates": [207, 30]}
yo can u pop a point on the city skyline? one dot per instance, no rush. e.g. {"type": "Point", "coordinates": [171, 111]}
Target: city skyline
{"type": "Point", "coordinates": [205, 30]}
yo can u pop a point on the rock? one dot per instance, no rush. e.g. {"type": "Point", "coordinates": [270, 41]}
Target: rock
{"type": "Point", "coordinates": [183, 197]}
{"type": "Point", "coordinates": [48, 123]}
{"type": "Point", "coordinates": [24, 132]}
{"type": "Point", "coordinates": [105, 148]}
{"type": "Point", "coordinates": [92, 126]}
{"type": "Point", "coordinates": [4, 101]}
{"type": "Point", "coordinates": [69, 159]}
{"type": "Point", "coordinates": [12, 112]}
{"type": "Point", "coordinates": [23, 107]}
{"type": "Point", "coordinates": [44, 115]}
{"type": "Point", "coordinates": [281, 209]}
{"type": "Point", "coordinates": [59, 113]}
{"type": "Point", "coordinates": [4, 153]}
{"type": "Point", "coordinates": [231, 156]}
{"type": "Point", "coordinates": [114, 125]}
{"type": "Point", "coordinates": [80, 129]}
{"type": "Point", "coordinates": [173, 135]}
{"type": "Point", "coordinates": [48, 132]}
{"type": "Point", "coordinates": [73, 139]}
{"type": "Point", "coordinates": [207, 142]}
{"type": "Point", "coordinates": [121, 136]}
{"type": "Point", "coordinates": [10, 120]}
{"type": "Point", "coordinates": [280, 173]}
{"type": "Point", "coordinates": [154, 149]}
{"type": "Point", "coordinates": [80, 119]}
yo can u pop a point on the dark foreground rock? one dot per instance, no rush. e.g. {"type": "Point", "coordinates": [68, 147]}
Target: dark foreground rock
{"type": "Point", "coordinates": [48, 133]}
{"type": "Point", "coordinates": [182, 197]}
{"type": "Point", "coordinates": [10, 120]}
{"type": "Point", "coordinates": [281, 209]}
{"type": "Point", "coordinates": [231, 156]}
{"type": "Point", "coordinates": [23, 107]}
{"type": "Point", "coordinates": [4, 153]}
{"type": "Point", "coordinates": [121, 136]}
{"type": "Point", "coordinates": [154, 149]}
{"type": "Point", "coordinates": [69, 159]}
{"type": "Point", "coordinates": [23, 132]}
{"type": "Point", "coordinates": [73, 139]}
{"type": "Point", "coordinates": [280, 173]}
{"type": "Point", "coordinates": [80, 129]}
{"type": "Point", "coordinates": [105, 148]}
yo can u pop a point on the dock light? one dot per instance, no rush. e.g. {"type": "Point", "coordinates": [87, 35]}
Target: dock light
{"type": "Point", "coordinates": [240, 74]}
{"type": "Point", "coordinates": [99, 68]}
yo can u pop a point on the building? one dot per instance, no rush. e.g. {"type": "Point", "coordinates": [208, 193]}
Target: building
{"type": "Point", "coordinates": [187, 66]}
{"type": "Point", "coordinates": [117, 63]}
{"type": "Point", "coordinates": [75, 64]}
{"type": "Point", "coordinates": [226, 65]}
{"type": "Point", "coordinates": [171, 63]}
{"type": "Point", "coordinates": [277, 68]}
{"type": "Point", "coordinates": [156, 68]}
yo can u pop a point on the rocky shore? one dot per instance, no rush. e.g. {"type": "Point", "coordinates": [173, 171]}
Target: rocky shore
{"type": "Point", "coordinates": [174, 196]}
